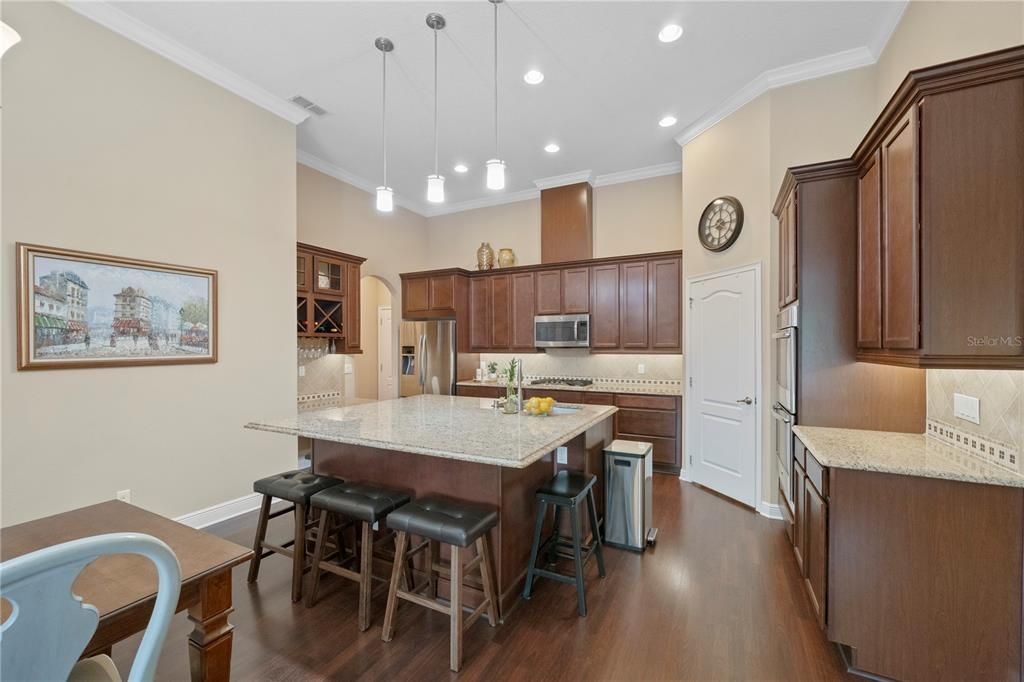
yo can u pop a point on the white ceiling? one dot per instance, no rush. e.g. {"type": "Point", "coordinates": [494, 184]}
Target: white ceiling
{"type": "Point", "coordinates": [607, 78]}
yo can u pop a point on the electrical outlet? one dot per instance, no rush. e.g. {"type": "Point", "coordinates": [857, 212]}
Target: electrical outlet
{"type": "Point", "coordinates": [302, 370]}
{"type": "Point", "coordinates": [641, 369]}
{"type": "Point", "coordinates": [967, 407]}
{"type": "Point", "coordinates": [348, 367]}
{"type": "Point", "coordinates": [124, 495]}
{"type": "Point", "coordinates": [562, 455]}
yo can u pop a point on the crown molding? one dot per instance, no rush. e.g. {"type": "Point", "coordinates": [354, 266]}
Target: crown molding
{"type": "Point", "coordinates": [131, 28]}
{"type": "Point", "coordinates": [339, 173]}
{"type": "Point", "coordinates": [774, 78]}
{"type": "Point", "coordinates": [644, 173]}
{"type": "Point", "coordinates": [888, 27]}
{"type": "Point", "coordinates": [566, 179]}
{"type": "Point", "coordinates": [485, 202]}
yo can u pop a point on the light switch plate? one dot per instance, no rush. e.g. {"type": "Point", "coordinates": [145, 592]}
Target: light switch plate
{"type": "Point", "coordinates": [967, 408]}
{"type": "Point", "coordinates": [348, 368]}
{"type": "Point", "coordinates": [641, 369]}
{"type": "Point", "coordinates": [562, 455]}
{"type": "Point", "coordinates": [302, 370]}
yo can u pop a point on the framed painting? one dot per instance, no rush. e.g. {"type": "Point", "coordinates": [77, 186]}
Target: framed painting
{"type": "Point", "coordinates": [78, 309]}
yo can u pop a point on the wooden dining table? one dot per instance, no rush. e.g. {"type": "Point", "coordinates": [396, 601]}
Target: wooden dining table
{"type": "Point", "coordinates": [123, 586]}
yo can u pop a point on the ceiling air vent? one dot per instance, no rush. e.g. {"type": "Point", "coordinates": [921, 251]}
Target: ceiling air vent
{"type": "Point", "coordinates": [308, 105]}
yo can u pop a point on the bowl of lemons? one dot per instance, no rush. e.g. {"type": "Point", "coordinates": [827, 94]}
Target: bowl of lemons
{"type": "Point", "coordinates": [540, 407]}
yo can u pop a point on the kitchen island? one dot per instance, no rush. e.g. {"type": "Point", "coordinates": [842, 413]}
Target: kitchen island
{"type": "Point", "coordinates": [461, 448]}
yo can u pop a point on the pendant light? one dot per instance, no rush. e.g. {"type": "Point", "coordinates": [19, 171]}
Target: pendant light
{"type": "Point", "coordinates": [435, 182]}
{"type": "Point", "coordinates": [385, 195]}
{"type": "Point", "coordinates": [495, 166]}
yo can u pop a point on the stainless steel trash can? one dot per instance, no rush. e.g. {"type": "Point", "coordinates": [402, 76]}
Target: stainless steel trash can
{"type": "Point", "coordinates": [628, 472]}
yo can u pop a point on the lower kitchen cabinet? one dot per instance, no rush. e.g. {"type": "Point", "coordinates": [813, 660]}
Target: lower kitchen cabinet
{"type": "Point", "coordinates": [810, 526]}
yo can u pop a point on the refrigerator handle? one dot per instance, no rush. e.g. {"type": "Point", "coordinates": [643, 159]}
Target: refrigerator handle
{"type": "Point", "coordinates": [423, 360]}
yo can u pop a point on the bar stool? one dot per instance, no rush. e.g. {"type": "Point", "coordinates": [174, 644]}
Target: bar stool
{"type": "Point", "coordinates": [295, 487]}
{"type": "Point", "coordinates": [459, 525]}
{"type": "Point", "coordinates": [567, 489]}
{"type": "Point", "coordinates": [367, 505]}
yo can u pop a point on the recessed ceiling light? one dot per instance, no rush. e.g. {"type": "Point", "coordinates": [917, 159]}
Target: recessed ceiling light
{"type": "Point", "coordinates": [533, 77]}
{"type": "Point", "coordinates": [670, 33]}
{"type": "Point", "coordinates": [551, 148]}
{"type": "Point", "coordinates": [667, 121]}
{"type": "Point", "coordinates": [461, 168]}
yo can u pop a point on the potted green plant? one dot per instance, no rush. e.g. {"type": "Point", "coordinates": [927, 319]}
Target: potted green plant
{"type": "Point", "coordinates": [511, 399]}
{"type": "Point", "coordinates": [492, 370]}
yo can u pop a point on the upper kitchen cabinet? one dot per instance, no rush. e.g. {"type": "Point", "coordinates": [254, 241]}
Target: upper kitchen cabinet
{"type": "Point", "coordinates": [787, 250]}
{"type": "Point", "coordinates": [327, 296]}
{"type": "Point", "coordinates": [501, 312]}
{"type": "Point", "coordinates": [565, 291]}
{"type": "Point", "coordinates": [666, 295]}
{"type": "Point", "coordinates": [432, 295]}
{"type": "Point", "coordinates": [523, 290]}
{"type": "Point", "coordinates": [941, 219]}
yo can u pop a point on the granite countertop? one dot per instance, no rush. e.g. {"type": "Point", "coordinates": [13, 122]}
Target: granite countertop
{"type": "Point", "coordinates": [666, 388]}
{"type": "Point", "coordinates": [910, 454]}
{"type": "Point", "coordinates": [467, 429]}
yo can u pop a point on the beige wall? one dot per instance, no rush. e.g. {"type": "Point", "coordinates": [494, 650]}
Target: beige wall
{"type": "Point", "coordinates": [935, 32]}
{"type": "Point", "coordinates": [747, 153]}
{"type": "Point", "coordinates": [631, 217]}
{"type": "Point", "coordinates": [108, 147]}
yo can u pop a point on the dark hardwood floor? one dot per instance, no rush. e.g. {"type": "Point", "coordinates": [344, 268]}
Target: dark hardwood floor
{"type": "Point", "coordinates": [718, 598]}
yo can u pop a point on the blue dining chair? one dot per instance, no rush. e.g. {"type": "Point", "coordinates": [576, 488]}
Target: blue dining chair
{"type": "Point", "coordinates": [49, 625]}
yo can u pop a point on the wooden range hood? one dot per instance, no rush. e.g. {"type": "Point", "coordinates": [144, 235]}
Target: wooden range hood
{"type": "Point", "coordinates": [567, 223]}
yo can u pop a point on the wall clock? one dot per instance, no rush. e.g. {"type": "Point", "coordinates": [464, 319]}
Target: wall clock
{"type": "Point", "coordinates": [720, 223]}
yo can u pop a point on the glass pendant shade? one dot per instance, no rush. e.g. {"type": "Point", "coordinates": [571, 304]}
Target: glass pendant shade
{"type": "Point", "coordinates": [8, 38]}
{"type": "Point", "coordinates": [495, 174]}
{"type": "Point", "coordinates": [435, 189]}
{"type": "Point", "coordinates": [385, 199]}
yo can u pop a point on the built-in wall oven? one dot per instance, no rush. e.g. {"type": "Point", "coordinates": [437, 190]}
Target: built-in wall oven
{"type": "Point", "coordinates": [784, 410]}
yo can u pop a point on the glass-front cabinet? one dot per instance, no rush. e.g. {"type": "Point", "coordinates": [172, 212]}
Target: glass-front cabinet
{"type": "Point", "coordinates": [327, 296]}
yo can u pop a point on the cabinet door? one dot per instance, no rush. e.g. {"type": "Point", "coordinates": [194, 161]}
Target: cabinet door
{"type": "Point", "coordinates": [523, 295]}
{"type": "Point", "coordinates": [575, 290]}
{"type": "Point", "coordinates": [501, 311]}
{"type": "Point", "coordinates": [815, 512]}
{"type": "Point", "coordinates": [303, 270]}
{"type": "Point", "coordinates": [792, 271]}
{"type": "Point", "coordinates": [901, 261]}
{"type": "Point", "coordinates": [869, 254]}
{"type": "Point", "coordinates": [666, 297]}
{"type": "Point", "coordinates": [415, 295]}
{"type": "Point", "coordinates": [783, 275]}
{"type": "Point", "coordinates": [480, 313]}
{"type": "Point", "coordinates": [549, 292]}
{"type": "Point", "coordinates": [799, 515]}
{"type": "Point", "coordinates": [328, 275]}
{"type": "Point", "coordinates": [633, 302]}
{"type": "Point", "coordinates": [604, 307]}
{"type": "Point", "coordinates": [353, 310]}
{"type": "Point", "coordinates": [442, 292]}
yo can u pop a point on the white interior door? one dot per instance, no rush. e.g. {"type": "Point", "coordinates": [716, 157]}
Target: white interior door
{"type": "Point", "coordinates": [386, 355]}
{"type": "Point", "coordinates": [723, 365]}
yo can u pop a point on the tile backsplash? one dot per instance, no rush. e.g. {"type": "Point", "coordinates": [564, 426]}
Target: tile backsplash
{"type": "Point", "coordinates": [573, 362]}
{"type": "Point", "coordinates": [1001, 395]}
{"type": "Point", "coordinates": [323, 373]}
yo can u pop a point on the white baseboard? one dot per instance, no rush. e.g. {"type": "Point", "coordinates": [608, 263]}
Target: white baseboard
{"type": "Point", "coordinates": [772, 511]}
{"type": "Point", "coordinates": [221, 512]}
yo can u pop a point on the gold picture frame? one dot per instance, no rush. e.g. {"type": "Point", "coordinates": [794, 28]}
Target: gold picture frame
{"type": "Point", "coordinates": [79, 310]}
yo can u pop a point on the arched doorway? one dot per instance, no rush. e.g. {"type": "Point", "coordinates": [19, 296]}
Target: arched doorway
{"type": "Point", "coordinates": [374, 375]}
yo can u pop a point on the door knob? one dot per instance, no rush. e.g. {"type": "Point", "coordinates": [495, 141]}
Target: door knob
{"type": "Point", "coordinates": [746, 401]}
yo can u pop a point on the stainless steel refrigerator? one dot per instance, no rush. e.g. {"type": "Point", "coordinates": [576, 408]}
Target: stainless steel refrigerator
{"type": "Point", "coordinates": [427, 358]}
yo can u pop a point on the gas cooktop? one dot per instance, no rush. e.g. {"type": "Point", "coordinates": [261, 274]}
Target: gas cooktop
{"type": "Point", "coordinates": [562, 382]}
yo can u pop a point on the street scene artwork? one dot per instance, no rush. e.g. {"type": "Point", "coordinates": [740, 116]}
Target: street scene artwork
{"type": "Point", "coordinates": [81, 309]}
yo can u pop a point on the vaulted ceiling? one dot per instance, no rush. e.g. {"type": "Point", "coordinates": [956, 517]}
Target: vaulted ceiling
{"type": "Point", "coordinates": [607, 78]}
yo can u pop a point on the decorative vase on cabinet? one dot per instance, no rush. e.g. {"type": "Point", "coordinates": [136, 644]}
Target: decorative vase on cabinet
{"type": "Point", "coordinates": [506, 258]}
{"type": "Point", "coordinates": [485, 257]}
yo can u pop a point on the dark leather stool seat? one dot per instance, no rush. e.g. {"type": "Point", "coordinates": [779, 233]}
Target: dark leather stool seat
{"type": "Point", "coordinates": [359, 501]}
{"type": "Point", "coordinates": [294, 486]}
{"type": "Point", "coordinates": [448, 521]}
{"type": "Point", "coordinates": [457, 524]}
{"type": "Point", "coordinates": [568, 484]}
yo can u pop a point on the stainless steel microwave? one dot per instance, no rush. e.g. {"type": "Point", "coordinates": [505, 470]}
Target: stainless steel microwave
{"type": "Point", "coordinates": [561, 331]}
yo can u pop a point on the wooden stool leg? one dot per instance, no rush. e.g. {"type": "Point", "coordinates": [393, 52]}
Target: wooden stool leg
{"type": "Point", "coordinates": [596, 532]}
{"type": "Point", "coordinates": [261, 535]}
{"type": "Point", "coordinates": [577, 553]}
{"type": "Point", "coordinates": [483, 548]}
{"type": "Point", "coordinates": [318, 556]}
{"type": "Point", "coordinates": [365, 576]}
{"type": "Point", "coordinates": [433, 557]}
{"type": "Point", "coordinates": [298, 551]}
{"type": "Point", "coordinates": [396, 574]}
{"type": "Point", "coordinates": [456, 609]}
{"type": "Point", "coordinates": [538, 528]}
